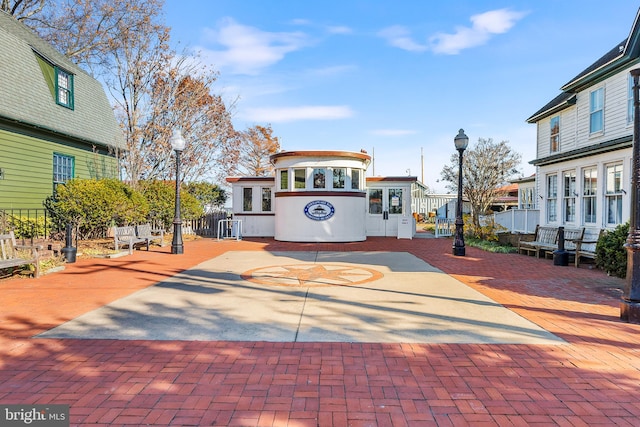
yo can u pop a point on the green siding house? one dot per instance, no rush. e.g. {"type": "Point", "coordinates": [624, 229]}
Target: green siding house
{"type": "Point", "coordinates": [56, 122]}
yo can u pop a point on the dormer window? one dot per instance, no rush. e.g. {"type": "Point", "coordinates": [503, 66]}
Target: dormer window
{"type": "Point", "coordinates": [64, 88]}
{"type": "Point", "coordinates": [60, 81]}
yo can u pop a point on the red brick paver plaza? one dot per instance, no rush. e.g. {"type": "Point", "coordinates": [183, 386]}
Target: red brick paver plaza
{"type": "Point", "coordinates": [592, 380]}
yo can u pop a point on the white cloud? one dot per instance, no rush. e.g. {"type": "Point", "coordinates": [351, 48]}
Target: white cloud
{"type": "Point", "coordinates": [484, 25]}
{"type": "Point", "coordinates": [246, 50]}
{"type": "Point", "coordinates": [392, 132]}
{"type": "Point", "coordinates": [300, 21]}
{"type": "Point", "coordinates": [339, 29]}
{"type": "Point", "coordinates": [291, 114]}
{"type": "Point", "coordinates": [334, 70]}
{"type": "Point", "coordinates": [398, 36]}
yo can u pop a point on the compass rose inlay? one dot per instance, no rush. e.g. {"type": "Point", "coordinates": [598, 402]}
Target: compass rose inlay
{"type": "Point", "coordinates": [311, 275]}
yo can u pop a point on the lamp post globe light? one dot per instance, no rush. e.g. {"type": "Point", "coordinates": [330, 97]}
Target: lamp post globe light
{"type": "Point", "coordinates": [461, 141]}
{"type": "Point", "coordinates": [630, 304]}
{"type": "Point", "coordinates": [177, 143]}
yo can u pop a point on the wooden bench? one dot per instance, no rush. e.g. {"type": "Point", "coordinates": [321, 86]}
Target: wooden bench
{"type": "Point", "coordinates": [144, 231]}
{"type": "Point", "coordinates": [586, 246]}
{"type": "Point", "coordinates": [546, 239]}
{"type": "Point", "coordinates": [10, 253]}
{"type": "Point", "coordinates": [571, 236]}
{"type": "Point", "coordinates": [132, 235]}
{"type": "Point", "coordinates": [126, 236]}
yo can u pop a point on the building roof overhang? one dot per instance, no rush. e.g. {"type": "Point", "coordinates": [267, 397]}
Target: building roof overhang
{"type": "Point", "coordinates": [364, 157]}
{"type": "Point", "coordinates": [612, 145]}
{"type": "Point", "coordinates": [623, 55]}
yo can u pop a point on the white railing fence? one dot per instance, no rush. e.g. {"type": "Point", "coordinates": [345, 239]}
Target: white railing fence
{"type": "Point", "coordinates": [444, 227]}
{"type": "Point", "coordinates": [518, 220]}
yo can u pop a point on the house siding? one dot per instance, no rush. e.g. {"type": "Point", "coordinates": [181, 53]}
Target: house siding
{"type": "Point", "coordinates": [27, 165]}
{"type": "Point", "coordinates": [580, 149]}
{"type": "Point", "coordinates": [33, 126]}
{"type": "Point", "coordinates": [600, 162]}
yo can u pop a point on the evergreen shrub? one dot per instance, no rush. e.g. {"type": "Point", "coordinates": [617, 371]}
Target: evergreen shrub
{"type": "Point", "coordinates": [611, 255]}
{"type": "Point", "coordinates": [94, 205]}
{"type": "Point", "coordinates": [161, 198]}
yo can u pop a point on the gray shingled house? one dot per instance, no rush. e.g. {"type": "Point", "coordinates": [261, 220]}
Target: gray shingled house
{"type": "Point", "coordinates": [56, 122]}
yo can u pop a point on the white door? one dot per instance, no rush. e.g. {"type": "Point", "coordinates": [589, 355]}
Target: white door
{"type": "Point", "coordinates": [385, 205]}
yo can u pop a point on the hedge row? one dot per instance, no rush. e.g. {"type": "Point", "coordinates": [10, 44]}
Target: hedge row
{"type": "Point", "coordinates": [95, 205]}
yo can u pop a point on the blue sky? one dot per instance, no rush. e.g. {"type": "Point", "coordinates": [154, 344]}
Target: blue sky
{"type": "Point", "coordinates": [397, 78]}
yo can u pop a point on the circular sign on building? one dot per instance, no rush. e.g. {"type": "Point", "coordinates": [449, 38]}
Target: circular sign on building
{"type": "Point", "coordinates": [319, 210]}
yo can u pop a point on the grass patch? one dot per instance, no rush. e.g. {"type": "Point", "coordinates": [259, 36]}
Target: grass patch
{"type": "Point", "coordinates": [488, 246]}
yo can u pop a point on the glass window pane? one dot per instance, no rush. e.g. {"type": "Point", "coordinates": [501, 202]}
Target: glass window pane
{"type": "Point", "coordinates": [395, 200]}
{"type": "Point", "coordinates": [299, 177]}
{"type": "Point", "coordinates": [319, 178]}
{"type": "Point", "coordinates": [589, 207]}
{"type": "Point", "coordinates": [596, 105]}
{"type": "Point", "coordinates": [355, 179]}
{"type": "Point", "coordinates": [375, 201]}
{"type": "Point", "coordinates": [552, 194]}
{"type": "Point", "coordinates": [630, 99]}
{"type": "Point", "coordinates": [552, 185]}
{"type": "Point", "coordinates": [266, 199]}
{"type": "Point", "coordinates": [247, 199]}
{"type": "Point", "coordinates": [62, 168]}
{"type": "Point", "coordinates": [339, 175]}
{"type": "Point", "coordinates": [284, 179]}
{"type": "Point", "coordinates": [555, 134]}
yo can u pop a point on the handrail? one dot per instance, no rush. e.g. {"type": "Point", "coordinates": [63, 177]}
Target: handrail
{"type": "Point", "coordinates": [230, 227]}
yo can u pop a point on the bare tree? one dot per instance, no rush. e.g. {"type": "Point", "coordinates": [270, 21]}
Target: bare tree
{"type": "Point", "coordinates": [87, 31]}
{"type": "Point", "coordinates": [487, 167]}
{"type": "Point", "coordinates": [23, 10]}
{"type": "Point", "coordinates": [256, 144]}
{"type": "Point", "coordinates": [182, 98]}
{"type": "Point", "coordinates": [154, 90]}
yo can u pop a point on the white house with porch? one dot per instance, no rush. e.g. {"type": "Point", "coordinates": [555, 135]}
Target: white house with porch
{"type": "Point", "coordinates": [584, 143]}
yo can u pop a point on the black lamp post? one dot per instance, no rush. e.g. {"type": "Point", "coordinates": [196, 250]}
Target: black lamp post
{"type": "Point", "coordinates": [630, 305]}
{"type": "Point", "coordinates": [177, 143]}
{"type": "Point", "coordinates": [461, 141]}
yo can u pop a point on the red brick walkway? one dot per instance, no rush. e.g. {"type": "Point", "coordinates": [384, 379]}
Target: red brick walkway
{"type": "Point", "coordinates": [594, 379]}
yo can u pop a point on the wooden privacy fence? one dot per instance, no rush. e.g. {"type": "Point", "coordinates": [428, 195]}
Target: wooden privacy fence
{"type": "Point", "coordinates": [206, 225]}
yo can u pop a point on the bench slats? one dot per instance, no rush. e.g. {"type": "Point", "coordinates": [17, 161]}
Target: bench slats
{"type": "Point", "coordinates": [579, 242]}
{"type": "Point", "coordinates": [10, 256]}
{"type": "Point", "coordinates": [131, 235]}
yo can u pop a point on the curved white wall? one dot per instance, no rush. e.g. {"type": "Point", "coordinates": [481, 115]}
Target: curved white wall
{"type": "Point", "coordinates": [346, 224]}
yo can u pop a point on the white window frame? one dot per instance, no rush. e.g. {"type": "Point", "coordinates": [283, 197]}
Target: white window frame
{"type": "Point", "coordinates": [629, 100]}
{"type": "Point", "coordinates": [339, 178]}
{"type": "Point", "coordinates": [614, 177]}
{"type": "Point", "coordinates": [297, 183]}
{"type": "Point", "coordinates": [64, 88]}
{"type": "Point", "coordinates": [355, 179]}
{"type": "Point", "coordinates": [395, 194]}
{"type": "Point", "coordinates": [596, 111]}
{"type": "Point", "coordinates": [554, 135]}
{"type": "Point", "coordinates": [569, 196]}
{"type": "Point", "coordinates": [590, 195]}
{"type": "Point", "coordinates": [247, 199]}
{"type": "Point", "coordinates": [319, 181]}
{"type": "Point", "coordinates": [552, 197]}
{"type": "Point", "coordinates": [284, 183]}
{"type": "Point", "coordinates": [527, 198]}
{"type": "Point", "coordinates": [268, 192]}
